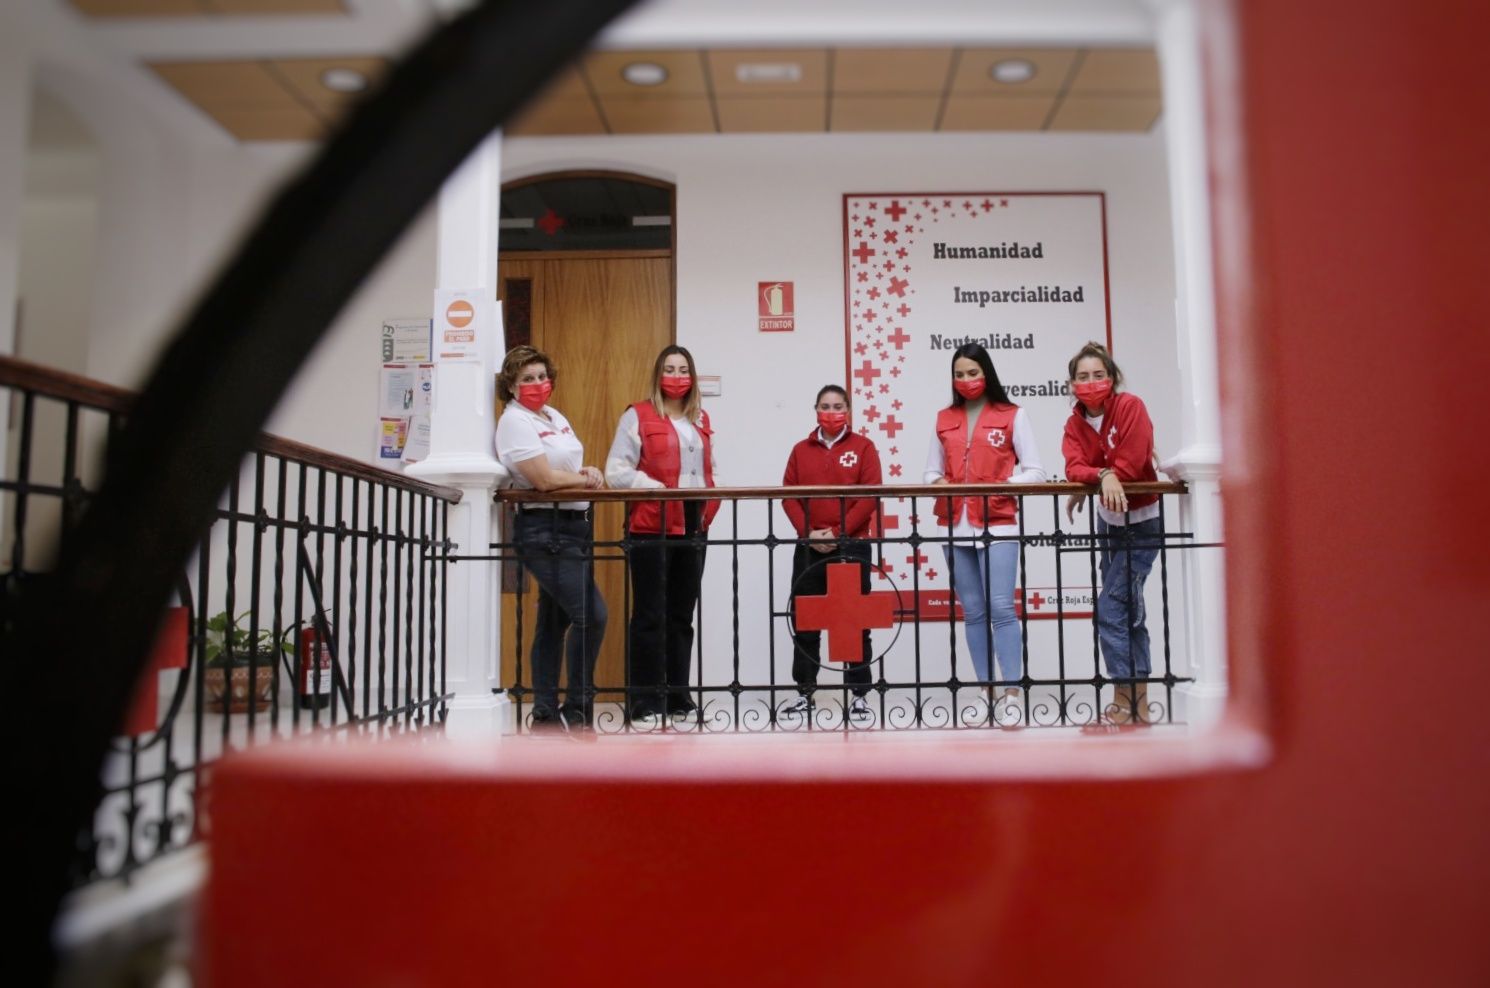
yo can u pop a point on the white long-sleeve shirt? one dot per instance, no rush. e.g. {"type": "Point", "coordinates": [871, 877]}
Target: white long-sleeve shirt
{"type": "Point", "coordinates": [1028, 470]}
{"type": "Point", "coordinates": [626, 452]}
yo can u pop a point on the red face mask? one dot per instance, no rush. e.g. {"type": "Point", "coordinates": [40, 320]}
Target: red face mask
{"type": "Point", "coordinates": [676, 385]}
{"type": "Point", "coordinates": [534, 396]}
{"type": "Point", "coordinates": [832, 422]}
{"type": "Point", "coordinates": [971, 389]}
{"type": "Point", "coordinates": [1093, 394]}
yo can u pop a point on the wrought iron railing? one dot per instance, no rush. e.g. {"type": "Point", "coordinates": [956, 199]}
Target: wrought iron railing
{"type": "Point", "coordinates": [921, 674]}
{"type": "Point", "coordinates": [315, 602]}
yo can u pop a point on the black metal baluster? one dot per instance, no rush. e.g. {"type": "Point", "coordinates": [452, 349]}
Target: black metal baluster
{"type": "Point", "coordinates": [230, 603]}
{"type": "Point", "coordinates": [1164, 599]}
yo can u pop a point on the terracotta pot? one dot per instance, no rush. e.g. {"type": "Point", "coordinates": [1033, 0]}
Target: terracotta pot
{"type": "Point", "coordinates": [216, 683]}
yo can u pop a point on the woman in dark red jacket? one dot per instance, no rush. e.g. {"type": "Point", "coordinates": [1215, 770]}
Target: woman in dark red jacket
{"type": "Point", "coordinates": [833, 530]}
{"type": "Point", "coordinates": [1109, 441]}
{"type": "Point", "coordinates": [665, 441]}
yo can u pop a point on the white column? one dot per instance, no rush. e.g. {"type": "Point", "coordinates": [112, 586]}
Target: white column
{"type": "Point", "coordinates": [15, 141]}
{"type": "Point", "coordinates": [1199, 459]}
{"type": "Point", "coordinates": [461, 453]}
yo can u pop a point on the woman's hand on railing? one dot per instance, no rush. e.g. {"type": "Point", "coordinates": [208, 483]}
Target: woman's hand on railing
{"type": "Point", "coordinates": [594, 479]}
{"type": "Point", "coordinates": [1074, 503]}
{"type": "Point", "coordinates": [1114, 498]}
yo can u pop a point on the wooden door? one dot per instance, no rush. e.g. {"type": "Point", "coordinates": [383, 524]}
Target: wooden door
{"type": "Point", "coordinates": [602, 321]}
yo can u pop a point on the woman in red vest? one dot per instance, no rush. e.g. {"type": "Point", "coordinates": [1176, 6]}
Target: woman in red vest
{"type": "Point", "coordinates": [1109, 440]}
{"type": "Point", "coordinates": [664, 442]}
{"type": "Point", "coordinates": [983, 438]}
{"type": "Point", "coordinates": [834, 530]}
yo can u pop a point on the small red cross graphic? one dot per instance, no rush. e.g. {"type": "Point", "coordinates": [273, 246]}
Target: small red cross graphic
{"type": "Point", "coordinates": [898, 286]}
{"type": "Point", "coordinates": [891, 425]}
{"type": "Point", "coordinates": [904, 310]}
{"type": "Point", "coordinates": [899, 338]}
{"type": "Point", "coordinates": [1037, 600]}
{"type": "Point", "coordinates": [871, 413]}
{"type": "Point", "coordinates": [892, 237]}
{"type": "Point", "coordinates": [917, 559]}
{"type": "Point", "coordinates": [863, 252]}
{"type": "Point", "coordinates": [550, 222]}
{"type": "Point", "coordinates": [867, 373]}
{"type": "Point", "coordinates": [987, 204]}
{"type": "Point", "coordinates": [895, 210]}
{"type": "Point", "coordinates": [889, 523]}
{"type": "Point", "coordinates": [168, 652]}
{"type": "Point", "coordinates": [845, 613]}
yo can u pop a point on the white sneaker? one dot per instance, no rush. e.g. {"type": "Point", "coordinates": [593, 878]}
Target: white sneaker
{"type": "Point", "coordinates": [859, 709]}
{"type": "Point", "coordinates": [646, 722]}
{"type": "Point", "coordinates": [800, 707]}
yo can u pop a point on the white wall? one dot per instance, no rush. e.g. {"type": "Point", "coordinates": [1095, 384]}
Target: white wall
{"type": "Point", "coordinates": [756, 208]}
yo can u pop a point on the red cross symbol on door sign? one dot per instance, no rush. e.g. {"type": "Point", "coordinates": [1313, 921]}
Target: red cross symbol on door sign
{"type": "Point", "coordinates": [845, 613]}
{"type": "Point", "coordinates": [551, 222]}
{"type": "Point", "coordinates": [895, 210]}
{"type": "Point", "coordinates": [863, 252]}
{"type": "Point", "coordinates": [168, 652]}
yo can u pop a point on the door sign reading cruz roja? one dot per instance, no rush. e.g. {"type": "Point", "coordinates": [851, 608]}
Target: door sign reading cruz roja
{"type": "Point", "coordinates": [463, 319]}
{"type": "Point", "coordinates": [776, 306]}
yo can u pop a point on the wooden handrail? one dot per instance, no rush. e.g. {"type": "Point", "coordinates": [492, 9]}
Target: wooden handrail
{"type": "Point", "coordinates": [883, 490]}
{"type": "Point", "coordinates": [49, 382]}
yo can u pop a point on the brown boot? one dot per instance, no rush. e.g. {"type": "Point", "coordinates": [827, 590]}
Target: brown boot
{"type": "Point", "coordinates": [1120, 711]}
{"type": "Point", "coordinates": [1141, 704]}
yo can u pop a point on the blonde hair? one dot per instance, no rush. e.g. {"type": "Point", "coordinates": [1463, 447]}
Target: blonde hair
{"type": "Point", "coordinates": [692, 408]}
{"type": "Point", "coordinates": [1095, 349]}
{"type": "Point", "coordinates": [512, 365]}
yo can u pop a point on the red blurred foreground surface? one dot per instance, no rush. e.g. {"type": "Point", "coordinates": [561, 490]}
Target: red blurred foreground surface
{"type": "Point", "coordinates": [1354, 292]}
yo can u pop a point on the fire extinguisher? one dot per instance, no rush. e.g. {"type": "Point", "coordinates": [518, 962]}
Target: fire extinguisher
{"type": "Point", "coordinates": [315, 668]}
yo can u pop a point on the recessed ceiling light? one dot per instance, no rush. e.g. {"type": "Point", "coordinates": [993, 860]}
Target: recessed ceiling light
{"type": "Point", "coordinates": [344, 80]}
{"type": "Point", "coordinates": [644, 74]}
{"type": "Point", "coordinates": [1013, 70]}
{"type": "Point", "coordinates": [768, 72]}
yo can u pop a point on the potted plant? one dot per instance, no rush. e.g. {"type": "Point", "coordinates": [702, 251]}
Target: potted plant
{"type": "Point", "coordinates": [231, 651]}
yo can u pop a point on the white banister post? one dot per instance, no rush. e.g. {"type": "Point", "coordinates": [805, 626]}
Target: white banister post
{"type": "Point", "coordinates": [461, 453]}
{"type": "Point", "coordinates": [1199, 459]}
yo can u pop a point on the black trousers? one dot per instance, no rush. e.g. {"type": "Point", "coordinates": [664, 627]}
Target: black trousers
{"type": "Point", "coordinates": [665, 575]}
{"type": "Point", "coordinates": [810, 579]}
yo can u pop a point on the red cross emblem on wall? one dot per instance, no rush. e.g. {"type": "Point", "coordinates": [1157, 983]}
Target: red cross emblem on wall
{"type": "Point", "coordinates": [168, 652]}
{"type": "Point", "coordinates": [844, 612]}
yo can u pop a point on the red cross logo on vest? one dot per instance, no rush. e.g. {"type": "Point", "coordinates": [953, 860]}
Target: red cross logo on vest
{"type": "Point", "coordinates": [1112, 438]}
{"type": "Point", "coordinates": [848, 459]}
{"type": "Point", "coordinates": [844, 613]}
{"type": "Point", "coordinates": [996, 438]}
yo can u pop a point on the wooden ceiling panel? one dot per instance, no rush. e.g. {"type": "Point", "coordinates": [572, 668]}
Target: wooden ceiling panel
{"type": "Point", "coordinates": [290, 122]}
{"type": "Point", "coordinates": [551, 117]}
{"type": "Point", "coordinates": [891, 70]}
{"type": "Point", "coordinates": [139, 8]}
{"type": "Point", "coordinates": [885, 113]}
{"type": "Point", "coordinates": [975, 70]}
{"type": "Point", "coordinates": [1107, 113]}
{"type": "Point", "coordinates": [811, 66]}
{"type": "Point", "coordinates": [1107, 71]}
{"type": "Point", "coordinates": [216, 84]}
{"type": "Point", "coordinates": [771, 115]}
{"type": "Point", "coordinates": [685, 74]}
{"type": "Point", "coordinates": [303, 77]}
{"type": "Point", "coordinates": [684, 115]}
{"type": "Point", "coordinates": [997, 112]}
{"type": "Point", "coordinates": [568, 84]}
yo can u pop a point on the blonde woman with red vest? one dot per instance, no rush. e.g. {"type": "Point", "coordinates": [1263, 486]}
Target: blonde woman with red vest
{"type": "Point", "coordinates": [1109, 441]}
{"type": "Point", "coordinates": [983, 438]}
{"type": "Point", "coordinates": [665, 441]}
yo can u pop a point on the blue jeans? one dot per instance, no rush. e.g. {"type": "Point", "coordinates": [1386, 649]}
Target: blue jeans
{"type": "Point", "coordinates": [983, 577]}
{"type": "Point", "coordinates": [556, 549]}
{"type": "Point", "coordinates": [1120, 613]}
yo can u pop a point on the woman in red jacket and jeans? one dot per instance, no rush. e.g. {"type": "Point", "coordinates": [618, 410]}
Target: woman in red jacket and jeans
{"type": "Point", "coordinates": [831, 455]}
{"type": "Point", "coordinates": [1109, 441]}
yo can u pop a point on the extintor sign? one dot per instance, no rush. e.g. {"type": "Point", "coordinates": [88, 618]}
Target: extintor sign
{"type": "Point", "coordinates": [776, 306]}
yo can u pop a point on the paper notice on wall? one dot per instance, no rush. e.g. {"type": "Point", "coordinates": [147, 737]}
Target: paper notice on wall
{"type": "Point", "coordinates": [416, 447]}
{"type": "Point", "coordinates": [406, 341]}
{"type": "Point", "coordinates": [424, 390]}
{"type": "Point", "coordinates": [465, 324]}
{"type": "Point", "coordinates": [393, 433]}
{"type": "Point", "coordinates": [397, 390]}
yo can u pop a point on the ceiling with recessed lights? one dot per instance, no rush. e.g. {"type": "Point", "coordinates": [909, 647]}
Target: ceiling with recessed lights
{"type": "Point", "coordinates": [295, 90]}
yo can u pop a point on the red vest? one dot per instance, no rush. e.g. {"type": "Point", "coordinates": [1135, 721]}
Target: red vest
{"type": "Point", "coordinates": [987, 459]}
{"type": "Point", "coordinates": [662, 461]}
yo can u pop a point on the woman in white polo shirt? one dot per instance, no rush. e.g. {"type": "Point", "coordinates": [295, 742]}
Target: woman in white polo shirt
{"type": "Point", "coordinates": [554, 541]}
